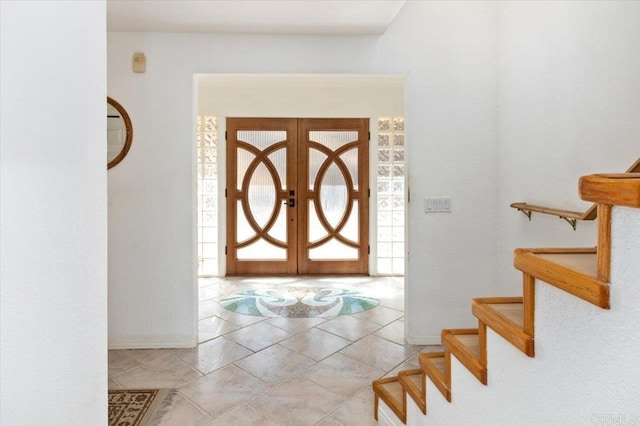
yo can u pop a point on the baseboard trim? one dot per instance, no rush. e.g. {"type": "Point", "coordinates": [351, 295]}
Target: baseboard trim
{"type": "Point", "coordinates": [423, 340]}
{"type": "Point", "coordinates": [163, 342]}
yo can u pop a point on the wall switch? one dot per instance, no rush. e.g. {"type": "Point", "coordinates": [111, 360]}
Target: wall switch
{"type": "Point", "coordinates": [139, 62]}
{"type": "Point", "coordinates": [437, 205]}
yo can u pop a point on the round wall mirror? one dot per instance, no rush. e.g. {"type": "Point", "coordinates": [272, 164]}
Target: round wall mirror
{"type": "Point", "coordinates": [119, 133]}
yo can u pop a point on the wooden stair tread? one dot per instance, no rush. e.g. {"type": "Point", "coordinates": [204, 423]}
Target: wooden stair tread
{"type": "Point", "coordinates": [392, 393]}
{"type": "Point", "coordinates": [512, 311]}
{"type": "Point", "coordinates": [439, 363]}
{"type": "Point", "coordinates": [435, 367]}
{"type": "Point", "coordinates": [464, 344]}
{"type": "Point", "coordinates": [574, 270]}
{"type": "Point", "coordinates": [413, 383]}
{"type": "Point", "coordinates": [585, 263]}
{"type": "Point", "coordinates": [505, 316]}
{"type": "Point", "coordinates": [471, 343]}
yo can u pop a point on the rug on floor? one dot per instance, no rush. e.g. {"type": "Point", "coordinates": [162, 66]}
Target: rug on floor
{"type": "Point", "coordinates": [139, 407]}
{"type": "Point", "coordinates": [298, 302]}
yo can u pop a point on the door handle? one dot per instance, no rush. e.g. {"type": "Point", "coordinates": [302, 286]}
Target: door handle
{"type": "Point", "coordinates": [291, 202]}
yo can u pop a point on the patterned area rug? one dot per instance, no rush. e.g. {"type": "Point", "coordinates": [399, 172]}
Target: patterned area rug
{"type": "Point", "coordinates": [139, 407]}
{"type": "Point", "coordinates": [298, 302]}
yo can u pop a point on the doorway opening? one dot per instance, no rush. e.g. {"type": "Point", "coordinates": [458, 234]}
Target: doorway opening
{"type": "Point", "coordinates": [378, 98]}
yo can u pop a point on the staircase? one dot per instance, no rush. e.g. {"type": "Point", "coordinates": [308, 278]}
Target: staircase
{"type": "Point", "coordinates": [543, 390]}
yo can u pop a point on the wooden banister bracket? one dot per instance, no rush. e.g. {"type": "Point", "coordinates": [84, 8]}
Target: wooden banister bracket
{"type": "Point", "coordinates": [522, 210]}
{"type": "Point", "coordinates": [571, 221]}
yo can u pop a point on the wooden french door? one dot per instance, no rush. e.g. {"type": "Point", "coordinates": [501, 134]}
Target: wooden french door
{"type": "Point", "coordinates": [297, 196]}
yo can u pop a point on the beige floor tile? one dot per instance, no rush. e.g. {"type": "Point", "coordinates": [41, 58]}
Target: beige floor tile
{"type": "Point", "coordinates": [378, 352]}
{"type": "Point", "coordinates": [232, 396]}
{"type": "Point", "coordinates": [241, 320]}
{"type": "Point", "coordinates": [315, 343]}
{"type": "Point", "coordinates": [168, 372]}
{"type": "Point", "coordinates": [113, 385]}
{"type": "Point", "coordinates": [184, 413]}
{"type": "Point", "coordinates": [394, 332]}
{"type": "Point", "coordinates": [406, 365]}
{"type": "Point", "coordinates": [326, 422]}
{"type": "Point", "coordinates": [208, 308]}
{"type": "Point", "coordinates": [275, 364]}
{"type": "Point", "coordinates": [349, 327]}
{"type": "Point", "coordinates": [298, 402]}
{"type": "Point", "coordinates": [358, 411]}
{"type": "Point", "coordinates": [121, 361]}
{"type": "Point", "coordinates": [268, 282]}
{"type": "Point", "coordinates": [295, 325]}
{"type": "Point", "coordinates": [396, 302]}
{"type": "Point", "coordinates": [346, 282]}
{"type": "Point", "coordinates": [380, 315]}
{"type": "Point", "coordinates": [258, 336]}
{"type": "Point", "coordinates": [228, 286]}
{"type": "Point", "coordinates": [243, 415]}
{"type": "Point", "coordinates": [214, 354]}
{"type": "Point", "coordinates": [414, 362]}
{"type": "Point", "coordinates": [208, 292]}
{"type": "Point", "coordinates": [213, 327]}
{"type": "Point", "coordinates": [343, 375]}
{"type": "Point", "coordinates": [146, 356]}
{"type": "Point", "coordinates": [218, 392]}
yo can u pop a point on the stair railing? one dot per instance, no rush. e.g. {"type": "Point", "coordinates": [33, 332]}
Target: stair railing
{"type": "Point", "coordinates": [571, 217]}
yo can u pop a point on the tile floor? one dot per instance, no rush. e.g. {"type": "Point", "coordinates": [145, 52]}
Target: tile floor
{"type": "Point", "coordinates": [251, 370]}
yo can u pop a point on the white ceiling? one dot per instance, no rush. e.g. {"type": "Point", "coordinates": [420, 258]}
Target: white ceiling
{"type": "Point", "coordinates": [253, 16]}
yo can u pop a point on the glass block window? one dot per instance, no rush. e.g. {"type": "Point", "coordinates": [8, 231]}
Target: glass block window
{"type": "Point", "coordinates": [391, 199]}
{"type": "Point", "coordinates": [207, 141]}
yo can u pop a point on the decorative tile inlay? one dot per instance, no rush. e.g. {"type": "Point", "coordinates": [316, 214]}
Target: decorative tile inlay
{"type": "Point", "coordinates": [298, 302]}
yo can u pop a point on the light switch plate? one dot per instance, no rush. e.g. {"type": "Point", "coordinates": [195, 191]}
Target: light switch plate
{"type": "Point", "coordinates": [437, 205]}
{"type": "Point", "coordinates": [139, 62]}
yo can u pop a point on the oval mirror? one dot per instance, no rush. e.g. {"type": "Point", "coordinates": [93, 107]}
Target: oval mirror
{"type": "Point", "coordinates": [119, 133]}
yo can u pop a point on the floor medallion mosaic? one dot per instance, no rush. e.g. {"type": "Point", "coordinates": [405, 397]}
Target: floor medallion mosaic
{"type": "Point", "coordinates": [298, 302]}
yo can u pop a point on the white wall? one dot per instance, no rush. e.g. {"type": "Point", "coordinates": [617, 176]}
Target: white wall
{"type": "Point", "coordinates": [300, 95]}
{"type": "Point", "coordinates": [569, 102]}
{"type": "Point", "coordinates": [53, 263]}
{"type": "Point", "coordinates": [447, 51]}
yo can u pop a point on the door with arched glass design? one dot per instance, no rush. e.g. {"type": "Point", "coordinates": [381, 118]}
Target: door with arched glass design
{"type": "Point", "coordinates": [297, 196]}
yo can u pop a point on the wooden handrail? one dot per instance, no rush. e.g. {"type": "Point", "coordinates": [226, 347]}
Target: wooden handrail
{"type": "Point", "coordinates": [619, 189]}
{"type": "Point", "coordinates": [571, 217]}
